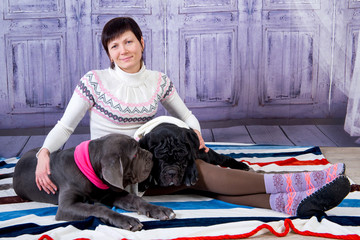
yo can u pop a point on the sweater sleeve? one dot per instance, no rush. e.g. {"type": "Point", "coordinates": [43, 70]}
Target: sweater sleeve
{"type": "Point", "coordinates": [73, 114]}
{"type": "Point", "coordinates": [80, 102]}
{"type": "Point", "coordinates": [177, 108]}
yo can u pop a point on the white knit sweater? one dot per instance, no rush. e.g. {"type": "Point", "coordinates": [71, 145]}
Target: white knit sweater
{"type": "Point", "coordinates": [118, 102]}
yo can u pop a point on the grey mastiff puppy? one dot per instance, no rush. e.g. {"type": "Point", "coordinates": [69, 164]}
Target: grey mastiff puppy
{"type": "Point", "coordinates": [113, 162]}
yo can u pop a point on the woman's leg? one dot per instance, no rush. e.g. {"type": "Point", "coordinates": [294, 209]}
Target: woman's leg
{"type": "Point", "coordinates": [249, 188]}
{"type": "Point", "coordinates": [260, 200]}
{"type": "Point", "coordinates": [225, 181]}
{"type": "Point", "coordinates": [304, 203]}
{"type": "Point", "coordinates": [219, 180]}
{"type": "Point", "coordinates": [237, 182]}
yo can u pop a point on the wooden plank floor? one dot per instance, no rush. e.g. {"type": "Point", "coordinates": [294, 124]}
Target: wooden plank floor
{"type": "Point", "coordinates": [298, 135]}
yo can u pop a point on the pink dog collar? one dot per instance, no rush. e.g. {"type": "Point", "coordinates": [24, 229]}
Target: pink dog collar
{"type": "Point", "coordinates": [82, 159]}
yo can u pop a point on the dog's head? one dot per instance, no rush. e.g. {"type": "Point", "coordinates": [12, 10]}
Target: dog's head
{"type": "Point", "coordinates": [119, 160]}
{"type": "Point", "coordinates": [173, 153]}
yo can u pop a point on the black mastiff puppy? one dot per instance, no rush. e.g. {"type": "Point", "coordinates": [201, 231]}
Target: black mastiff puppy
{"type": "Point", "coordinates": [174, 152]}
{"type": "Point", "coordinates": [116, 160]}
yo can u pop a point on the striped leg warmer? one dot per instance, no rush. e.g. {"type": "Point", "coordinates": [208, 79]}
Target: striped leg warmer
{"type": "Point", "coordinates": [303, 181]}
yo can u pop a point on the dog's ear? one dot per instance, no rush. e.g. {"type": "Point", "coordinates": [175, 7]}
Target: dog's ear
{"type": "Point", "coordinates": [150, 141]}
{"type": "Point", "coordinates": [112, 171]}
{"type": "Point", "coordinates": [144, 141]}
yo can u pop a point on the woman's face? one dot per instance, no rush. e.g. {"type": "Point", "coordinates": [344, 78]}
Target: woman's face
{"type": "Point", "coordinates": [126, 52]}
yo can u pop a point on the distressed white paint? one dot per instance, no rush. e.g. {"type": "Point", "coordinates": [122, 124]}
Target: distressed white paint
{"type": "Point", "coordinates": [229, 59]}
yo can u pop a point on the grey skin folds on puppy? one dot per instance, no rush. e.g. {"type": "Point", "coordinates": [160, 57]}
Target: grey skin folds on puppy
{"type": "Point", "coordinates": [117, 160]}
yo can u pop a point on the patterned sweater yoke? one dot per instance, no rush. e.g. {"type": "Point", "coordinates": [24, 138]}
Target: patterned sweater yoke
{"type": "Point", "coordinates": [124, 98]}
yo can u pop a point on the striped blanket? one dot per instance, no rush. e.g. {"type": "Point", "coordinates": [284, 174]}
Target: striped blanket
{"type": "Point", "coordinates": [196, 216]}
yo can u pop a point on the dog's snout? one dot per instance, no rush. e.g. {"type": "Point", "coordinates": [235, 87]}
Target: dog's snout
{"type": "Point", "coordinates": [170, 176]}
{"type": "Point", "coordinates": [171, 173]}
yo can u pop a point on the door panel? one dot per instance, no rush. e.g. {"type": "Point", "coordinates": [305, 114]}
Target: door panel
{"type": "Point", "coordinates": [14, 9]}
{"type": "Point", "coordinates": [291, 60]}
{"type": "Point", "coordinates": [34, 65]}
{"type": "Point", "coordinates": [294, 62]}
{"type": "Point", "coordinates": [202, 55]}
{"type": "Point", "coordinates": [207, 59]}
{"type": "Point", "coordinates": [33, 86]}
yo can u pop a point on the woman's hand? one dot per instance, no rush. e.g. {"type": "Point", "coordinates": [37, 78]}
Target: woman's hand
{"type": "Point", "coordinates": [202, 142]}
{"type": "Point", "coordinates": [43, 171]}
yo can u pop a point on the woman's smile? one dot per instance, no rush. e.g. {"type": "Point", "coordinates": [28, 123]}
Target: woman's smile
{"type": "Point", "coordinates": [126, 51]}
{"type": "Point", "coordinates": [126, 59]}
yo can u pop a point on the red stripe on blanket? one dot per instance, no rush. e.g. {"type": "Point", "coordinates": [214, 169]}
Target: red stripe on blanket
{"type": "Point", "coordinates": [287, 226]}
{"type": "Point", "coordinates": [324, 235]}
{"type": "Point", "coordinates": [47, 237]}
{"type": "Point", "coordinates": [291, 162]}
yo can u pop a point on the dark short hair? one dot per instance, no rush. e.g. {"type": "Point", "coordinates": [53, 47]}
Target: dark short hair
{"type": "Point", "coordinates": [117, 26]}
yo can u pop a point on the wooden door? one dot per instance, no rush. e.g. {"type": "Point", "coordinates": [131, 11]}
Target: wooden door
{"type": "Point", "coordinates": [203, 55]}
{"type": "Point", "coordinates": [298, 59]}
{"type": "Point", "coordinates": [33, 62]}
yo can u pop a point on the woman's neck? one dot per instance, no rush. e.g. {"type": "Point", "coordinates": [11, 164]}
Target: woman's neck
{"type": "Point", "coordinates": [131, 79]}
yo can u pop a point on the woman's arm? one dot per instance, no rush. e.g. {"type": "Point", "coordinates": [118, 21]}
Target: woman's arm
{"type": "Point", "coordinates": [75, 111]}
{"type": "Point", "coordinates": [177, 108]}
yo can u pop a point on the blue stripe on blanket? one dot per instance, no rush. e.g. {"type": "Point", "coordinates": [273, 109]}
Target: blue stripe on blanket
{"type": "Point", "coordinates": [345, 220]}
{"type": "Point", "coordinates": [4, 164]}
{"type": "Point", "coordinates": [41, 212]}
{"type": "Point", "coordinates": [217, 204]}
{"type": "Point", "coordinates": [189, 205]}
{"type": "Point", "coordinates": [7, 165]}
{"type": "Point", "coordinates": [314, 150]}
{"type": "Point", "coordinates": [176, 206]}
{"type": "Point", "coordinates": [262, 147]}
{"type": "Point", "coordinates": [204, 222]}
{"type": "Point", "coordinates": [197, 205]}
{"type": "Point", "coordinates": [193, 205]}
{"type": "Point", "coordinates": [31, 228]}
{"type": "Point", "coordinates": [350, 203]}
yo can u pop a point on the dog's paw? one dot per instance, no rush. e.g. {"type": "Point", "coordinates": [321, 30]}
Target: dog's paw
{"type": "Point", "coordinates": [234, 164]}
{"type": "Point", "coordinates": [190, 180]}
{"type": "Point", "coordinates": [191, 176]}
{"type": "Point", "coordinates": [126, 222]}
{"type": "Point", "coordinates": [157, 212]}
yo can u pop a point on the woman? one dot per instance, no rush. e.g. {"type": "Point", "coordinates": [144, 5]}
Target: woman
{"type": "Point", "coordinates": [123, 97]}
